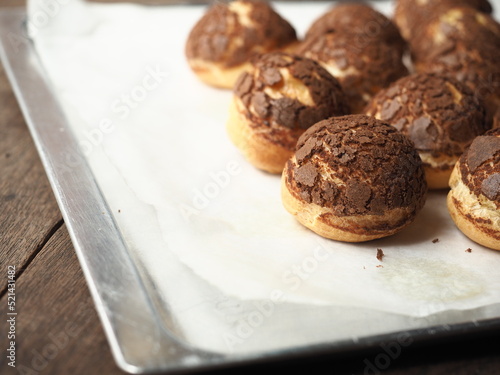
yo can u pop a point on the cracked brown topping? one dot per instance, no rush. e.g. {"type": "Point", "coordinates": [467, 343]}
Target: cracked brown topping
{"type": "Point", "coordinates": [464, 44]}
{"type": "Point", "coordinates": [230, 34]}
{"type": "Point", "coordinates": [439, 114]}
{"type": "Point", "coordinates": [285, 94]}
{"type": "Point", "coordinates": [357, 165]}
{"type": "Point", "coordinates": [362, 68]}
{"type": "Point", "coordinates": [455, 26]}
{"type": "Point", "coordinates": [359, 19]}
{"type": "Point", "coordinates": [411, 15]}
{"type": "Point", "coordinates": [480, 166]}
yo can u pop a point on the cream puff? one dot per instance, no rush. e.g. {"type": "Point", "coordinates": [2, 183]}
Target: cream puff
{"type": "Point", "coordinates": [474, 198]}
{"type": "Point", "coordinates": [275, 102]}
{"type": "Point", "coordinates": [360, 19]}
{"type": "Point", "coordinates": [362, 68]}
{"type": "Point", "coordinates": [354, 178]}
{"type": "Point", "coordinates": [465, 44]}
{"type": "Point", "coordinates": [412, 15]}
{"type": "Point", "coordinates": [221, 44]}
{"type": "Point", "coordinates": [440, 115]}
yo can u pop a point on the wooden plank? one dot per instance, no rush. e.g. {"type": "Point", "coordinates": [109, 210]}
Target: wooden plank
{"type": "Point", "coordinates": [28, 211]}
{"type": "Point", "coordinates": [57, 330]}
{"type": "Point", "coordinates": [13, 3]}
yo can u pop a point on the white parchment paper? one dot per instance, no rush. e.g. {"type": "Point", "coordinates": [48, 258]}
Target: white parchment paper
{"type": "Point", "coordinates": [220, 250]}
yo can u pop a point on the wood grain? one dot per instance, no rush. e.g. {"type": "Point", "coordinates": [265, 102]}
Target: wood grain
{"type": "Point", "coordinates": [12, 3]}
{"type": "Point", "coordinates": [58, 331]}
{"type": "Point", "coordinates": [56, 315]}
{"type": "Point", "coordinates": [29, 213]}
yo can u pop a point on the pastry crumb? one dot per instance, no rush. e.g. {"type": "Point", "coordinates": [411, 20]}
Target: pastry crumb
{"type": "Point", "coordinates": [380, 254]}
{"type": "Point", "coordinates": [469, 250]}
{"type": "Point", "coordinates": [380, 266]}
{"type": "Point", "coordinates": [435, 240]}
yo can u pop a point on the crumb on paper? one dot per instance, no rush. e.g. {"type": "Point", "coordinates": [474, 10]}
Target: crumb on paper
{"type": "Point", "coordinates": [380, 266]}
{"type": "Point", "coordinates": [469, 250]}
{"type": "Point", "coordinates": [119, 211]}
{"type": "Point", "coordinates": [435, 240]}
{"type": "Point", "coordinates": [380, 254]}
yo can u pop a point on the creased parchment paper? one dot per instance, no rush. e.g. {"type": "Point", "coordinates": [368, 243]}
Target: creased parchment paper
{"type": "Point", "coordinates": [236, 271]}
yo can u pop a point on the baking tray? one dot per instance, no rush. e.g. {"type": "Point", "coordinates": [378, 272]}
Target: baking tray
{"type": "Point", "coordinates": [140, 340]}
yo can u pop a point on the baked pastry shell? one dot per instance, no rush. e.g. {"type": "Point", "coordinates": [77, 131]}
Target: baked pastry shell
{"type": "Point", "coordinates": [354, 228]}
{"type": "Point", "coordinates": [474, 218]}
{"type": "Point", "coordinates": [259, 151]}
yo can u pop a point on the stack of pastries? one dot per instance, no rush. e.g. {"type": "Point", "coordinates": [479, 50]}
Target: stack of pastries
{"type": "Point", "coordinates": [363, 115]}
{"type": "Point", "coordinates": [458, 39]}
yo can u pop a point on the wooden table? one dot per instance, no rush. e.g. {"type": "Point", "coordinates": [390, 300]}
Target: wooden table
{"type": "Point", "coordinates": [57, 328]}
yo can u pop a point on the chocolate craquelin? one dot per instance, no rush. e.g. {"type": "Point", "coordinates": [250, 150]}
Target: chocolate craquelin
{"type": "Point", "coordinates": [454, 26]}
{"type": "Point", "coordinates": [480, 166]}
{"type": "Point", "coordinates": [361, 68]}
{"type": "Point", "coordinates": [214, 37]}
{"type": "Point", "coordinates": [377, 167]}
{"type": "Point", "coordinates": [465, 44]}
{"type": "Point", "coordinates": [411, 16]}
{"type": "Point", "coordinates": [474, 199]}
{"type": "Point", "coordinates": [229, 35]}
{"type": "Point", "coordinates": [361, 20]}
{"type": "Point", "coordinates": [440, 115]}
{"type": "Point", "coordinates": [284, 116]}
{"type": "Point", "coordinates": [275, 102]}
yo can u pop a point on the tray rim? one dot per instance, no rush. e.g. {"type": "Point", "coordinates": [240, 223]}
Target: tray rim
{"type": "Point", "coordinates": [27, 78]}
{"type": "Point", "coordinates": [152, 349]}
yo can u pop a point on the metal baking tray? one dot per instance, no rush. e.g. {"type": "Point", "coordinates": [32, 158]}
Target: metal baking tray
{"type": "Point", "coordinates": [140, 340]}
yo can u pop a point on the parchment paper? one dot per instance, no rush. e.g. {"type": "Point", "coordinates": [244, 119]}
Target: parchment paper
{"type": "Point", "coordinates": [208, 229]}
